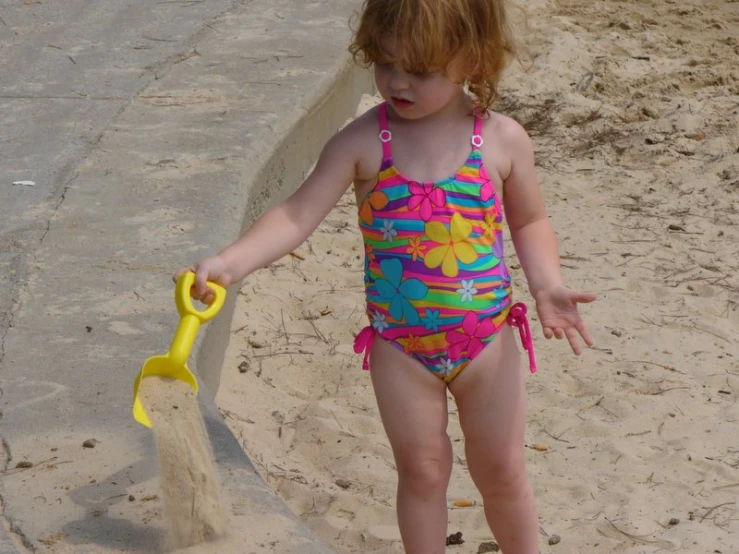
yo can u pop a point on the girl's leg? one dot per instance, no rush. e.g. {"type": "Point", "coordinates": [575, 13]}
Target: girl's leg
{"type": "Point", "coordinates": [413, 407]}
{"type": "Point", "coordinates": [492, 412]}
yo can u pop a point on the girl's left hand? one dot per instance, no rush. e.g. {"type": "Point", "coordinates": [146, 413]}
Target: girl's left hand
{"type": "Point", "coordinates": [557, 308]}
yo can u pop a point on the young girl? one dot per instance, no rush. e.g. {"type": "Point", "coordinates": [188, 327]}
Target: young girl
{"type": "Point", "coordinates": [433, 168]}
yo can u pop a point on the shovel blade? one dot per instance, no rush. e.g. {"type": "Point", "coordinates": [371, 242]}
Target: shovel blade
{"type": "Point", "coordinates": [160, 366]}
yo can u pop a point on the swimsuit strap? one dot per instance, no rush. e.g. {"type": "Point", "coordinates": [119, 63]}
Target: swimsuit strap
{"type": "Point", "coordinates": [385, 135]}
{"type": "Point", "coordinates": [476, 139]}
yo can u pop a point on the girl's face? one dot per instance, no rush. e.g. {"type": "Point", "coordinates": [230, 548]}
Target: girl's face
{"type": "Point", "coordinates": [417, 95]}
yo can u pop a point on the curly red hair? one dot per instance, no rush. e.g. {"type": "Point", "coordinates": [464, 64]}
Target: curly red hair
{"type": "Point", "coordinates": [432, 33]}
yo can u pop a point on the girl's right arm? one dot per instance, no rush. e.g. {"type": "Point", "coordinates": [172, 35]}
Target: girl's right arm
{"type": "Point", "coordinates": [283, 228]}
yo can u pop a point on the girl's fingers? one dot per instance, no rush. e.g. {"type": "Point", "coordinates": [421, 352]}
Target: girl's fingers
{"type": "Point", "coordinates": [572, 339]}
{"type": "Point", "coordinates": [585, 334]}
{"type": "Point", "coordinates": [571, 334]}
{"type": "Point", "coordinates": [583, 297]}
{"type": "Point", "coordinates": [179, 272]}
{"type": "Point", "coordinates": [201, 278]}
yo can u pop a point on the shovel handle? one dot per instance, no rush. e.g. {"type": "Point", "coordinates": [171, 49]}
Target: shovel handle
{"type": "Point", "coordinates": [184, 300]}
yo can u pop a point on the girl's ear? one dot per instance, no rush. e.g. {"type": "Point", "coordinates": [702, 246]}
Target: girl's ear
{"type": "Point", "coordinates": [460, 70]}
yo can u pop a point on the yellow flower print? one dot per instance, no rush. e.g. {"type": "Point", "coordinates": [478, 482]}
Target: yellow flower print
{"type": "Point", "coordinates": [415, 248]}
{"type": "Point", "coordinates": [490, 226]}
{"type": "Point", "coordinates": [454, 246]}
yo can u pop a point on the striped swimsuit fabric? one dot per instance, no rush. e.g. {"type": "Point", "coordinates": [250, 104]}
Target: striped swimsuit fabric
{"type": "Point", "coordinates": [436, 281]}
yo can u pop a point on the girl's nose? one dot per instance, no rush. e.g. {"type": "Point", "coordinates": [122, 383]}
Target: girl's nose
{"type": "Point", "coordinates": [399, 80]}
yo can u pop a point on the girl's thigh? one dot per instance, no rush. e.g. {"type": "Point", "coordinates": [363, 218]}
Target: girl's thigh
{"type": "Point", "coordinates": [491, 398]}
{"type": "Point", "coordinates": [412, 403]}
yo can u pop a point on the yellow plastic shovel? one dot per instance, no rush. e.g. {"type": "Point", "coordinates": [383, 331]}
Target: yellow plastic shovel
{"type": "Point", "coordinates": [174, 363]}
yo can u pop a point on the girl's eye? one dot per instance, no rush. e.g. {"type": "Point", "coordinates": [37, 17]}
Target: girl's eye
{"type": "Point", "coordinates": [420, 75]}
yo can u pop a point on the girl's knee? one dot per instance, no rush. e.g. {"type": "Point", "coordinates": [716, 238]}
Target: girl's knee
{"type": "Point", "coordinates": [503, 477]}
{"type": "Point", "coordinates": [425, 474]}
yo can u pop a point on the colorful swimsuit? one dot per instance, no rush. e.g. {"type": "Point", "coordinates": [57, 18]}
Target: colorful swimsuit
{"type": "Point", "coordinates": [436, 283]}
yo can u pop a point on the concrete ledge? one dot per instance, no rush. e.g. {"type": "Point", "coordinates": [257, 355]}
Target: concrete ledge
{"type": "Point", "coordinates": [226, 126]}
{"type": "Point", "coordinates": [336, 101]}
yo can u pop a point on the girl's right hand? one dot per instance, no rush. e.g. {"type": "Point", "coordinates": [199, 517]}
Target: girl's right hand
{"type": "Point", "coordinates": [212, 268]}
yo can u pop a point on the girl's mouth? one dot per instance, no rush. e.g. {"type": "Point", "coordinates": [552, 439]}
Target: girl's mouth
{"type": "Point", "coordinates": [401, 103]}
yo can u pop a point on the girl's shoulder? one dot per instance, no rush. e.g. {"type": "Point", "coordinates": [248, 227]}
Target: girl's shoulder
{"type": "Point", "coordinates": [363, 127]}
{"type": "Point", "coordinates": [506, 143]}
{"type": "Point", "coordinates": [498, 126]}
{"type": "Point", "coordinates": [361, 137]}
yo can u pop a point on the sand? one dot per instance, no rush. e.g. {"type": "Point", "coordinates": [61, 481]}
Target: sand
{"type": "Point", "coordinates": [194, 510]}
{"type": "Point", "coordinates": [633, 107]}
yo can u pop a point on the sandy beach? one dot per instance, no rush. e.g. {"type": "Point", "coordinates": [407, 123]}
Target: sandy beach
{"type": "Point", "coordinates": [633, 108]}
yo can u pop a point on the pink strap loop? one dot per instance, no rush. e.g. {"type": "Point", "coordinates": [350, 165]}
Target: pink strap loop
{"type": "Point", "coordinates": [363, 343]}
{"type": "Point", "coordinates": [517, 318]}
{"type": "Point", "coordinates": [385, 133]}
{"type": "Point", "coordinates": [477, 140]}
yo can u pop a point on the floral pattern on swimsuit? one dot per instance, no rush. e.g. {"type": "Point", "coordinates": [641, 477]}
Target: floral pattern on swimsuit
{"type": "Point", "coordinates": [436, 283]}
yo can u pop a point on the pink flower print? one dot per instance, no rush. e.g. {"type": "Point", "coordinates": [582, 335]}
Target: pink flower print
{"type": "Point", "coordinates": [425, 195]}
{"type": "Point", "coordinates": [486, 190]}
{"type": "Point", "coordinates": [468, 340]}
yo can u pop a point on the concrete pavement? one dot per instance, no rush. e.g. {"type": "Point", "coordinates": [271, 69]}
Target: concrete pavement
{"type": "Point", "coordinates": [153, 131]}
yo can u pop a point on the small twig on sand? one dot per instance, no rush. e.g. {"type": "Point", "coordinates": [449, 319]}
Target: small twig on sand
{"type": "Point", "coordinates": [693, 328]}
{"type": "Point", "coordinates": [730, 486]}
{"type": "Point", "coordinates": [599, 405]}
{"type": "Point", "coordinates": [639, 538]}
{"type": "Point", "coordinates": [557, 438]}
{"type": "Point", "coordinates": [667, 367]}
{"type": "Point", "coordinates": [713, 509]}
{"type": "Point", "coordinates": [284, 328]}
{"type": "Point", "coordinates": [37, 465]}
{"type": "Point", "coordinates": [668, 390]}
{"type": "Point", "coordinates": [318, 332]}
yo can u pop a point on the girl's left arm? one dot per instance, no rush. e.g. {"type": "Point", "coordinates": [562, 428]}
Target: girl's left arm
{"type": "Point", "coordinates": [531, 231]}
{"type": "Point", "coordinates": [536, 244]}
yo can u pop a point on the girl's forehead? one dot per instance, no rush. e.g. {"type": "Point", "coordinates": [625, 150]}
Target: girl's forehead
{"type": "Point", "coordinates": [391, 46]}
{"type": "Point", "coordinates": [393, 50]}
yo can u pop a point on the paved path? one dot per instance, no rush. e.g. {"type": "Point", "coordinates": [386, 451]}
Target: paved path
{"type": "Point", "coordinates": [151, 130]}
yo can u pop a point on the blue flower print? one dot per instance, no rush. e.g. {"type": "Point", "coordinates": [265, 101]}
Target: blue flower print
{"type": "Point", "coordinates": [378, 322]}
{"type": "Point", "coordinates": [445, 367]}
{"type": "Point", "coordinates": [388, 233]}
{"type": "Point", "coordinates": [431, 321]}
{"type": "Point", "coordinates": [397, 292]}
